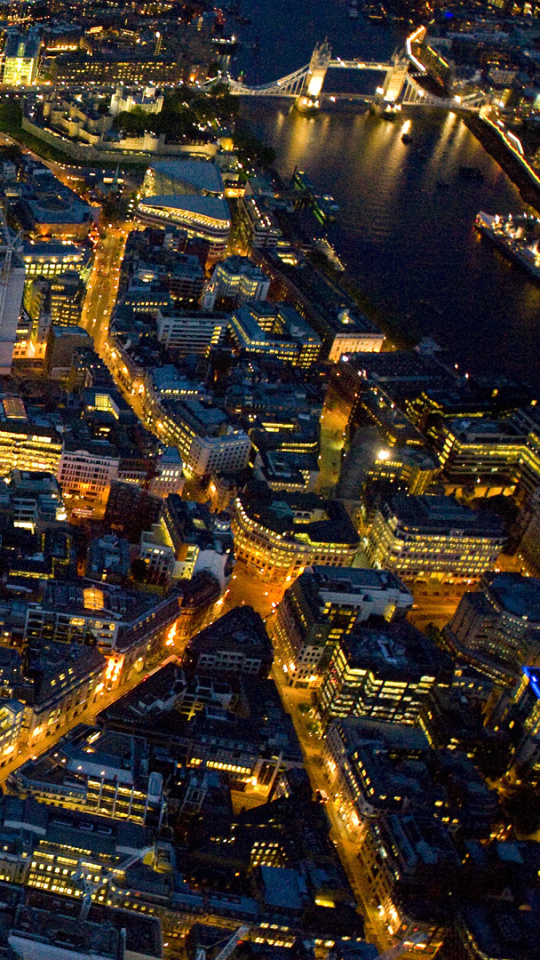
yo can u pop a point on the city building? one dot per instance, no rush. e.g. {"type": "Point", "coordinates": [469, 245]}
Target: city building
{"type": "Point", "coordinates": [276, 331]}
{"type": "Point", "coordinates": [411, 867]}
{"type": "Point", "coordinates": [96, 771]}
{"type": "Point", "coordinates": [236, 643]}
{"type": "Point", "coordinates": [169, 474]}
{"type": "Point", "coordinates": [127, 99]}
{"type": "Point", "coordinates": [433, 537]}
{"type": "Point", "coordinates": [130, 510]}
{"type": "Point", "coordinates": [87, 470]}
{"type": "Point", "coordinates": [481, 453]}
{"type": "Point", "coordinates": [188, 194]}
{"type": "Point", "coordinates": [187, 540]}
{"type": "Point", "coordinates": [261, 226]}
{"type": "Point", "coordinates": [207, 439]}
{"type": "Point", "coordinates": [45, 934]}
{"type": "Point", "coordinates": [328, 309]}
{"type": "Point", "coordinates": [113, 67]}
{"type": "Point", "coordinates": [407, 467]}
{"type": "Point", "coordinates": [238, 279]}
{"type": "Point", "coordinates": [202, 540]}
{"type": "Point", "coordinates": [498, 626]}
{"type": "Point", "coordinates": [527, 420]}
{"type": "Point", "coordinates": [287, 470]}
{"type": "Point", "coordinates": [81, 612]}
{"type": "Point", "coordinates": [250, 737]}
{"type": "Point", "coordinates": [190, 331]}
{"type": "Point", "coordinates": [11, 725]}
{"type": "Point", "coordinates": [324, 604]}
{"type": "Point", "coordinates": [369, 766]}
{"type": "Point", "coordinates": [21, 57]}
{"type": "Point", "coordinates": [529, 546]}
{"type": "Point", "coordinates": [61, 343]}
{"type": "Point", "coordinates": [53, 836]}
{"type": "Point", "coordinates": [51, 258]}
{"type": "Point", "coordinates": [26, 445]}
{"type": "Point", "coordinates": [521, 719]}
{"type": "Point", "coordinates": [394, 426]}
{"type": "Point", "coordinates": [35, 500]}
{"type": "Point", "coordinates": [66, 299]}
{"type": "Point", "coordinates": [489, 929]}
{"type": "Point", "coordinates": [48, 208]}
{"type": "Point", "coordinates": [62, 682]}
{"type": "Point", "coordinates": [108, 559]}
{"type": "Point", "coordinates": [279, 534]}
{"type": "Point", "coordinates": [383, 672]}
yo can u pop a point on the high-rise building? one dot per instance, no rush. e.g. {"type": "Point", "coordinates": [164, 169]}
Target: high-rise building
{"type": "Point", "coordinates": [411, 864]}
{"type": "Point", "coordinates": [520, 716]}
{"type": "Point", "coordinates": [208, 440]}
{"type": "Point", "coordinates": [530, 541]}
{"type": "Point", "coordinates": [190, 331]}
{"type": "Point", "coordinates": [28, 446]}
{"type": "Point", "coordinates": [66, 299]}
{"type": "Point", "coordinates": [384, 672]}
{"type": "Point", "coordinates": [432, 536]}
{"type": "Point", "coordinates": [237, 278]}
{"type": "Point", "coordinates": [11, 294]}
{"type": "Point", "coordinates": [280, 534]}
{"type": "Point", "coordinates": [498, 626]}
{"type": "Point", "coordinates": [275, 332]}
{"type": "Point", "coordinates": [21, 57]}
{"type": "Point", "coordinates": [324, 604]}
{"type": "Point", "coordinates": [481, 454]}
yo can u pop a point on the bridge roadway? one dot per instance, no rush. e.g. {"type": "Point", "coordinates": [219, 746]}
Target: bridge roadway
{"type": "Point", "coordinates": [413, 94]}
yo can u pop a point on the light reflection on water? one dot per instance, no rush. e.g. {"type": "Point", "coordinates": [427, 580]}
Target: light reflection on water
{"type": "Point", "coordinates": [406, 225]}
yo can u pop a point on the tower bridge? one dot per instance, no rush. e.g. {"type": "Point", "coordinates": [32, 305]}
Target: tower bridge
{"type": "Point", "coordinates": [399, 86]}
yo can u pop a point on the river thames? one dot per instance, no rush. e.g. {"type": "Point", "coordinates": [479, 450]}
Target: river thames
{"type": "Point", "coordinates": [405, 228]}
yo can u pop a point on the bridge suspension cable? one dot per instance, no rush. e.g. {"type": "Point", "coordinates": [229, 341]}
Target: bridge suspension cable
{"type": "Point", "coordinates": [289, 86]}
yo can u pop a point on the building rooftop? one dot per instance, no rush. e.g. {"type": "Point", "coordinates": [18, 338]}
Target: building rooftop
{"type": "Point", "coordinates": [110, 838]}
{"type": "Point", "coordinates": [501, 930]}
{"type": "Point", "coordinates": [481, 430]}
{"type": "Point", "coordinates": [356, 730]}
{"type": "Point", "coordinates": [35, 930]}
{"type": "Point", "coordinates": [298, 514]}
{"type": "Point", "coordinates": [240, 629]}
{"type": "Point", "coordinates": [86, 752]}
{"type": "Point", "coordinates": [517, 595]}
{"type": "Point", "coordinates": [441, 515]}
{"type": "Point", "coordinates": [179, 176]}
{"type": "Point", "coordinates": [398, 649]}
{"type": "Point", "coordinates": [355, 580]}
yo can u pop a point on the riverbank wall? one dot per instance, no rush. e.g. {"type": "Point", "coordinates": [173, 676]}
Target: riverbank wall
{"type": "Point", "coordinates": [507, 156]}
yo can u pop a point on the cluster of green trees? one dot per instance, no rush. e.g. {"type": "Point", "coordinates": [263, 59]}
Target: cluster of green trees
{"type": "Point", "coordinates": [184, 110]}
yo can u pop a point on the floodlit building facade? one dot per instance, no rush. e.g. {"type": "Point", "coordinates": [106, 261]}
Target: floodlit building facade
{"type": "Point", "coordinates": [427, 537]}
{"type": "Point", "coordinates": [28, 446]}
{"type": "Point", "coordinates": [324, 604]}
{"type": "Point", "coordinates": [280, 534]}
{"type": "Point", "coordinates": [188, 194]}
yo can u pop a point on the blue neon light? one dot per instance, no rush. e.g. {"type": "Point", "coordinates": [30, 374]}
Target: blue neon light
{"type": "Point", "coordinates": [533, 680]}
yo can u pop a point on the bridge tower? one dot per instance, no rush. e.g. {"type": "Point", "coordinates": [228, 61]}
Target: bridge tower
{"type": "Point", "coordinates": [308, 101]}
{"type": "Point", "coordinates": [395, 80]}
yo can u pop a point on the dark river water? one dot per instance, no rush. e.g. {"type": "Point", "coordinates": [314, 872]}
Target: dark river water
{"type": "Point", "coordinates": [406, 240]}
